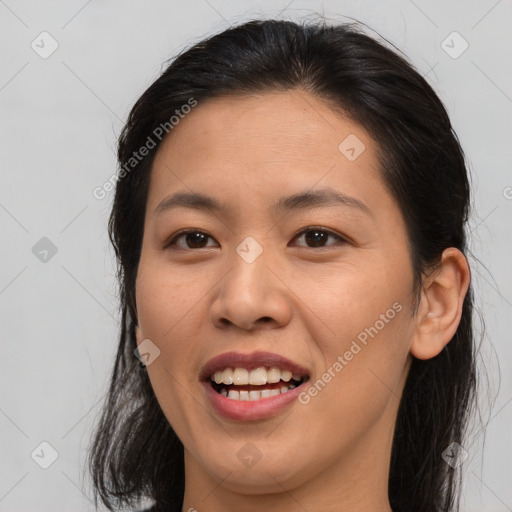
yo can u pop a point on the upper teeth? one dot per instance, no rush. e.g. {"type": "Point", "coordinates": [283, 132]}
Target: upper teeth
{"type": "Point", "coordinates": [257, 377]}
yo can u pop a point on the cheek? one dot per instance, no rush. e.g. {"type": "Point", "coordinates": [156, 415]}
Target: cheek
{"type": "Point", "coordinates": [360, 385]}
{"type": "Point", "coordinates": [358, 297]}
{"type": "Point", "coordinates": [363, 327]}
{"type": "Point", "coordinates": [167, 302]}
{"type": "Point", "coordinates": [169, 311]}
{"type": "Point", "coordinates": [171, 314]}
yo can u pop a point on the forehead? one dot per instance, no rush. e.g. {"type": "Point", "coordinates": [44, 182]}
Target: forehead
{"type": "Point", "coordinates": [278, 125]}
{"type": "Point", "coordinates": [255, 148]}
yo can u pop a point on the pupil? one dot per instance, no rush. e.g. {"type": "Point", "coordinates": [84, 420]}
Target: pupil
{"type": "Point", "coordinates": [195, 239]}
{"type": "Point", "coordinates": [318, 237]}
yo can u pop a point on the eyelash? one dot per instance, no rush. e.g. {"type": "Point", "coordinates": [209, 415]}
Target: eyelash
{"type": "Point", "coordinates": [171, 244]}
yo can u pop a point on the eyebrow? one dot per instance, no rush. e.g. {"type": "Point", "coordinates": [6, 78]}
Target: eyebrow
{"type": "Point", "coordinates": [299, 201]}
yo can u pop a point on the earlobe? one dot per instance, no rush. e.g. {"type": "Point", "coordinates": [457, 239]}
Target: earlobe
{"type": "Point", "coordinates": [441, 302]}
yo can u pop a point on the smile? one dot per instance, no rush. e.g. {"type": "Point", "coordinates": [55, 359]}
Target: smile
{"type": "Point", "coordinates": [255, 386]}
{"type": "Point", "coordinates": [250, 385]}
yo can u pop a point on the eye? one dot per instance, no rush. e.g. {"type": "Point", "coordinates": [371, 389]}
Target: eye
{"type": "Point", "coordinates": [194, 239]}
{"type": "Point", "coordinates": [317, 236]}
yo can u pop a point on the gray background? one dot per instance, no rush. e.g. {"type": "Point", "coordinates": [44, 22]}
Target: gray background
{"type": "Point", "coordinates": [60, 118]}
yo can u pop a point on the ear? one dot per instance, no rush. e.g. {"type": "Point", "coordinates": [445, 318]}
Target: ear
{"type": "Point", "coordinates": [440, 307]}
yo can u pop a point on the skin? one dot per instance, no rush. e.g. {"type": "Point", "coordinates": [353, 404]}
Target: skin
{"type": "Point", "coordinates": [332, 453]}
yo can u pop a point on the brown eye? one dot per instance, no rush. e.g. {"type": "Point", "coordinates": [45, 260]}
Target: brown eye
{"type": "Point", "coordinates": [194, 239]}
{"type": "Point", "coordinates": [317, 237]}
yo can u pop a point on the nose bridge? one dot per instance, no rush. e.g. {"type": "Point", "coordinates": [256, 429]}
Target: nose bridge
{"type": "Point", "coordinates": [250, 291]}
{"type": "Point", "coordinates": [251, 266]}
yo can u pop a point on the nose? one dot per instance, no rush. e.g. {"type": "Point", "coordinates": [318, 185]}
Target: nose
{"type": "Point", "coordinates": [252, 295]}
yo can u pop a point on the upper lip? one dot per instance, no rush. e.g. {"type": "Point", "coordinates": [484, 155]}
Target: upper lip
{"type": "Point", "coordinates": [250, 361]}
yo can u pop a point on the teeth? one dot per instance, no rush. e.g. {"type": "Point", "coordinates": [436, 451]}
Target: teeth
{"type": "Point", "coordinates": [254, 394]}
{"type": "Point", "coordinates": [234, 394]}
{"type": "Point", "coordinates": [273, 375]}
{"type": "Point", "coordinates": [240, 376]}
{"type": "Point", "coordinates": [227, 376]}
{"type": "Point", "coordinates": [286, 375]}
{"type": "Point", "coordinates": [256, 377]}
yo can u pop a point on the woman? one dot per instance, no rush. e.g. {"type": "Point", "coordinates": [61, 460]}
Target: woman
{"type": "Point", "coordinates": [289, 222]}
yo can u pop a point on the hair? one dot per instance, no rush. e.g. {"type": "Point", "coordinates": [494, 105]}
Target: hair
{"type": "Point", "coordinates": [135, 453]}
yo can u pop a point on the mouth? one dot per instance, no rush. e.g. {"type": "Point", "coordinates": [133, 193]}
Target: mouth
{"type": "Point", "coordinates": [246, 385]}
{"type": "Point", "coordinates": [253, 377]}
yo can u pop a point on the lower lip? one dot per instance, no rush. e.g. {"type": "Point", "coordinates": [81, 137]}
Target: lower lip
{"type": "Point", "coordinates": [250, 411]}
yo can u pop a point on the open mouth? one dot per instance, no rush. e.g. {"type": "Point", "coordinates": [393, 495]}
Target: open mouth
{"type": "Point", "coordinates": [250, 385]}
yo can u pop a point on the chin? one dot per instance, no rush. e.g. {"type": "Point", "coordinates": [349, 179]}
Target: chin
{"type": "Point", "coordinates": [268, 475]}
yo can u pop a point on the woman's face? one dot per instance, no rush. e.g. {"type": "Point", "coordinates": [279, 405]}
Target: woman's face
{"type": "Point", "coordinates": [320, 287]}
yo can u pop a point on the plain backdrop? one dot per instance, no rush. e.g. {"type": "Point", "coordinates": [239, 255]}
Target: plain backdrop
{"type": "Point", "coordinates": [60, 115]}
